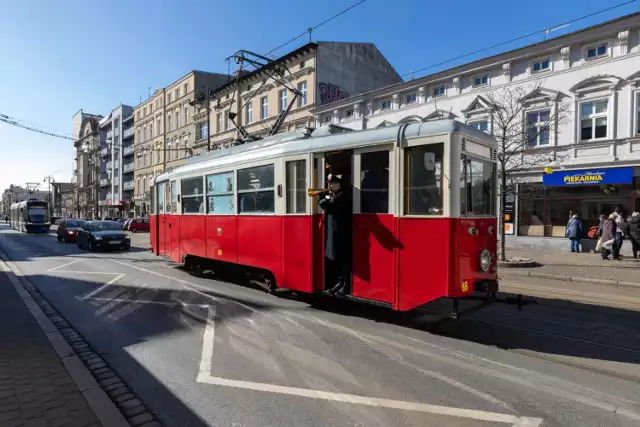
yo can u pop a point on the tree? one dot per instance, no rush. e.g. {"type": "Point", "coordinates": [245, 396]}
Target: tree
{"type": "Point", "coordinates": [525, 122]}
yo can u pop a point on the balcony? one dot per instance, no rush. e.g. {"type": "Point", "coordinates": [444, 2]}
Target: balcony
{"type": "Point", "coordinates": [110, 134]}
{"type": "Point", "coordinates": [127, 185]}
{"type": "Point", "coordinates": [127, 133]}
{"type": "Point", "coordinates": [127, 167]}
{"type": "Point", "coordinates": [200, 116]}
{"type": "Point", "coordinates": [127, 150]}
{"type": "Point", "coordinates": [104, 152]}
{"type": "Point", "coordinates": [104, 182]}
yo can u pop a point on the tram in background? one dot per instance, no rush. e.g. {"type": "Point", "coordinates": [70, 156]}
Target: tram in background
{"type": "Point", "coordinates": [423, 202]}
{"type": "Point", "coordinates": [30, 216]}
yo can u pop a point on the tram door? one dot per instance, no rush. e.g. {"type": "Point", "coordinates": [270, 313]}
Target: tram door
{"type": "Point", "coordinates": [374, 227]}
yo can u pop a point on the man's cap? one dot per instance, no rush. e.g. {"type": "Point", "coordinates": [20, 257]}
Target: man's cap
{"type": "Point", "coordinates": [335, 178]}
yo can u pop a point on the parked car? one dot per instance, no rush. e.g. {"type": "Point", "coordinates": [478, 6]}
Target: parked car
{"type": "Point", "coordinates": [139, 224]}
{"type": "Point", "coordinates": [125, 226]}
{"type": "Point", "coordinates": [97, 235]}
{"type": "Point", "coordinates": [68, 229]}
{"type": "Point", "coordinates": [121, 221]}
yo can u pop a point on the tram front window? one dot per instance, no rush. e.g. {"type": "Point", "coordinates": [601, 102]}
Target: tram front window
{"type": "Point", "coordinates": [423, 179]}
{"type": "Point", "coordinates": [477, 187]}
{"type": "Point", "coordinates": [37, 214]}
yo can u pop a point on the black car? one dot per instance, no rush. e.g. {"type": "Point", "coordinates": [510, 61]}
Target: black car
{"type": "Point", "coordinates": [102, 235]}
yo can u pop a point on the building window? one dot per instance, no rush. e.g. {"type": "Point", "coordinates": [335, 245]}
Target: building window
{"type": "Point", "coordinates": [249, 112]}
{"type": "Point", "coordinates": [138, 135]}
{"type": "Point", "coordinates": [219, 121]}
{"type": "Point", "coordinates": [438, 91]}
{"type": "Point", "coordinates": [410, 98]}
{"type": "Point", "coordinates": [137, 115]}
{"type": "Point", "coordinates": [186, 88]}
{"type": "Point", "coordinates": [593, 120]}
{"type": "Point", "coordinates": [538, 128]}
{"type": "Point", "coordinates": [326, 119]}
{"type": "Point", "coordinates": [150, 108]}
{"type": "Point", "coordinates": [594, 52]}
{"type": "Point", "coordinates": [302, 87]}
{"type": "Point", "coordinates": [203, 130]}
{"type": "Point", "coordinates": [158, 126]}
{"type": "Point", "coordinates": [480, 80]}
{"type": "Point", "coordinates": [348, 114]}
{"type": "Point", "coordinates": [169, 151]}
{"type": "Point", "coordinates": [482, 125]}
{"type": "Point", "coordinates": [264, 111]}
{"type": "Point", "coordinates": [256, 189]}
{"type": "Point", "coordinates": [151, 129]}
{"type": "Point", "coordinates": [220, 193]}
{"type": "Point", "coordinates": [168, 98]}
{"type": "Point", "coordinates": [283, 100]}
{"type": "Point", "coordinates": [186, 115]}
{"type": "Point", "coordinates": [144, 111]}
{"type": "Point", "coordinates": [540, 66]}
{"type": "Point", "coordinates": [227, 120]}
{"type": "Point", "coordinates": [192, 195]}
{"type": "Point", "coordinates": [177, 119]}
{"type": "Point", "coordinates": [144, 132]}
{"type": "Point", "coordinates": [169, 129]}
{"type": "Point", "coordinates": [302, 64]}
{"type": "Point", "coordinates": [386, 104]}
{"type": "Point", "coordinates": [177, 92]}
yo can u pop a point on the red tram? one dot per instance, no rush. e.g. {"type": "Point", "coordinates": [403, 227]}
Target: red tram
{"type": "Point", "coordinates": [423, 198]}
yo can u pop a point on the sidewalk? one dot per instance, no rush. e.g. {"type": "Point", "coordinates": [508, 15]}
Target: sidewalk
{"type": "Point", "coordinates": [560, 264]}
{"type": "Point", "coordinates": [36, 390]}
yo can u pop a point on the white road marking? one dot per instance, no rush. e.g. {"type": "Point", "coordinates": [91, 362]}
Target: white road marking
{"type": "Point", "coordinates": [106, 285]}
{"type": "Point", "coordinates": [528, 422]}
{"type": "Point", "coordinates": [63, 265]}
{"type": "Point", "coordinates": [204, 376]}
{"type": "Point", "coordinates": [140, 301]}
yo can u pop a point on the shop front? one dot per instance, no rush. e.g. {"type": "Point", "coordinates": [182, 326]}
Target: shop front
{"type": "Point", "coordinates": [544, 208]}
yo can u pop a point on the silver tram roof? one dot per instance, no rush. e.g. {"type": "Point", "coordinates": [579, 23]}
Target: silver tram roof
{"type": "Point", "coordinates": [319, 140]}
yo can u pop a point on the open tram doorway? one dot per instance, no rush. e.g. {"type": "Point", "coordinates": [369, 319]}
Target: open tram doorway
{"type": "Point", "coordinates": [340, 164]}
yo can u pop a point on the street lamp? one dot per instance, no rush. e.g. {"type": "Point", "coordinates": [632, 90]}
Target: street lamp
{"type": "Point", "coordinates": [49, 178]}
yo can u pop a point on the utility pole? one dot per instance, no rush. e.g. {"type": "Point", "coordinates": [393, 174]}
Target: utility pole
{"type": "Point", "coordinates": [48, 179]}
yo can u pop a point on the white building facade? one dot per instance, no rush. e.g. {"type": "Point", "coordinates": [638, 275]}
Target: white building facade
{"type": "Point", "coordinates": [595, 72]}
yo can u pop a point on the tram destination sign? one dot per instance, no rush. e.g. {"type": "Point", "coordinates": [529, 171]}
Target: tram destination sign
{"type": "Point", "coordinates": [589, 177]}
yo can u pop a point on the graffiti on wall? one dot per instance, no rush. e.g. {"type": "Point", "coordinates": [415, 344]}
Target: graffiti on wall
{"type": "Point", "coordinates": [331, 93]}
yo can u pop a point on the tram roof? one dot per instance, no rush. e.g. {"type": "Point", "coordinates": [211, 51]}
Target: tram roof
{"type": "Point", "coordinates": [319, 140]}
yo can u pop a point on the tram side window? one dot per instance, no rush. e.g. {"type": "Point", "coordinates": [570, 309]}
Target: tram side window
{"type": "Point", "coordinates": [477, 187]}
{"type": "Point", "coordinates": [297, 187]}
{"type": "Point", "coordinates": [192, 195]}
{"type": "Point", "coordinates": [423, 179]}
{"type": "Point", "coordinates": [256, 190]}
{"type": "Point", "coordinates": [374, 182]}
{"type": "Point", "coordinates": [220, 193]}
{"type": "Point", "coordinates": [173, 208]}
{"type": "Point", "coordinates": [161, 197]}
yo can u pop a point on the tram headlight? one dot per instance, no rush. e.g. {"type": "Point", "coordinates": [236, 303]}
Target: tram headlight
{"type": "Point", "coordinates": [485, 260]}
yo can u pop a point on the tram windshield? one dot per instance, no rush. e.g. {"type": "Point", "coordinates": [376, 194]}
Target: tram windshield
{"type": "Point", "coordinates": [37, 214]}
{"type": "Point", "coordinates": [477, 187]}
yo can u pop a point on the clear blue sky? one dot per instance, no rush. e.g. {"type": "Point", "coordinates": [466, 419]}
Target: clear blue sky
{"type": "Point", "coordinates": [57, 57]}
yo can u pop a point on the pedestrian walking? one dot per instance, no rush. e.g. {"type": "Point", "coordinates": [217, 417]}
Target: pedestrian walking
{"type": "Point", "coordinates": [601, 221]}
{"type": "Point", "coordinates": [575, 232]}
{"type": "Point", "coordinates": [633, 227]}
{"type": "Point", "coordinates": [621, 225]}
{"type": "Point", "coordinates": [609, 245]}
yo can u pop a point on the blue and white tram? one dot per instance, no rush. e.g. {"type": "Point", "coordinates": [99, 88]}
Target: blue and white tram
{"type": "Point", "coordinates": [30, 216]}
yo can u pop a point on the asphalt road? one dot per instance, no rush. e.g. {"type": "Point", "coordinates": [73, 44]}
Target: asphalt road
{"type": "Point", "coordinates": [201, 352]}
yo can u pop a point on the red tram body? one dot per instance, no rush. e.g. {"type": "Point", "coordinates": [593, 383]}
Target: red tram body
{"type": "Point", "coordinates": [424, 203]}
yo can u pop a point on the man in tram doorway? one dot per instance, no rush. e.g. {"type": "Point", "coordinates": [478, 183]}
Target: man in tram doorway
{"type": "Point", "coordinates": [337, 237]}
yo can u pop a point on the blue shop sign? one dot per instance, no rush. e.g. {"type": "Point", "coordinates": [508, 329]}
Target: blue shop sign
{"type": "Point", "coordinates": [589, 177]}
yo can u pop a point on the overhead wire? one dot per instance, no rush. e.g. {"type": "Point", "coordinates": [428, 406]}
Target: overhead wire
{"type": "Point", "coordinates": [533, 33]}
{"type": "Point", "coordinates": [315, 27]}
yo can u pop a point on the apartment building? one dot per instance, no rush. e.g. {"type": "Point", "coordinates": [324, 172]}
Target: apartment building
{"type": "Point", "coordinates": [165, 132]}
{"type": "Point", "coordinates": [595, 72]}
{"type": "Point", "coordinates": [117, 157]}
{"type": "Point", "coordinates": [322, 72]}
{"type": "Point", "coordinates": [88, 141]}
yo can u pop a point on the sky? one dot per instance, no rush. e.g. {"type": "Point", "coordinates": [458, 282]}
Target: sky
{"type": "Point", "coordinates": [57, 57]}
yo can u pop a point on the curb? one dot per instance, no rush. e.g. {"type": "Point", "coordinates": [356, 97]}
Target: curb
{"type": "Point", "coordinates": [516, 272]}
{"type": "Point", "coordinates": [107, 395]}
{"type": "Point", "coordinates": [104, 409]}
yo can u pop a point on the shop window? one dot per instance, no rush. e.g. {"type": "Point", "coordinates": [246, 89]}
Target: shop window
{"type": "Point", "coordinates": [297, 187]}
{"type": "Point", "coordinates": [374, 182]}
{"type": "Point", "coordinates": [423, 180]}
{"type": "Point", "coordinates": [256, 190]}
{"type": "Point", "coordinates": [220, 193]}
{"type": "Point", "coordinates": [192, 195]}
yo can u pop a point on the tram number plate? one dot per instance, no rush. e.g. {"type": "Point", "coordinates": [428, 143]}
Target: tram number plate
{"type": "Point", "coordinates": [114, 242]}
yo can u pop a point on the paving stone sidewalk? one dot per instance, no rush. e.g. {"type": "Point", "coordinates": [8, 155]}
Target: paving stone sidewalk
{"type": "Point", "coordinates": [584, 265]}
{"type": "Point", "coordinates": [35, 387]}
